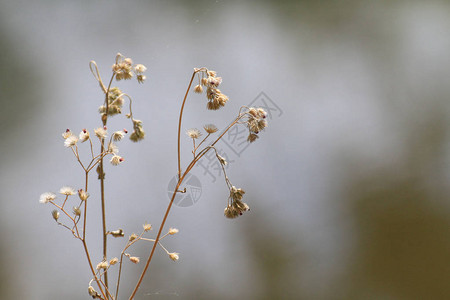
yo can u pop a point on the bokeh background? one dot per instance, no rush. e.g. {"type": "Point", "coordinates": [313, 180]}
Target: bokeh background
{"type": "Point", "coordinates": [348, 186]}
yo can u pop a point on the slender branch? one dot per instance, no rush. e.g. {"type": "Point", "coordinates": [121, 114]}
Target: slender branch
{"type": "Point", "coordinates": [83, 241]}
{"type": "Point", "coordinates": [92, 149]}
{"type": "Point", "coordinates": [157, 237]}
{"type": "Point", "coordinates": [78, 157]}
{"type": "Point", "coordinates": [180, 179]}
{"type": "Point", "coordinates": [121, 261]}
{"type": "Point", "coordinates": [92, 268]}
{"type": "Point", "coordinates": [195, 148]}
{"type": "Point", "coordinates": [102, 181]}
{"type": "Point", "coordinates": [179, 122]}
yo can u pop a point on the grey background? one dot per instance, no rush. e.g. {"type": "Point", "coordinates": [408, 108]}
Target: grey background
{"type": "Point", "coordinates": [348, 189]}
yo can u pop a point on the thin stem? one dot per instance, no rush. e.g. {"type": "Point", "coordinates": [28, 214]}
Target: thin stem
{"type": "Point", "coordinates": [118, 276]}
{"type": "Point", "coordinates": [92, 149]}
{"type": "Point", "coordinates": [83, 241]}
{"type": "Point", "coordinates": [78, 157]}
{"type": "Point", "coordinates": [179, 122]}
{"type": "Point", "coordinates": [157, 237]}
{"type": "Point", "coordinates": [206, 149]}
{"type": "Point", "coordinates": [102, 182]}
{"type": "Point", "coordinates": [195, 148]}
{"type": "Point", "coordinates": [175, 191]}
{"type": "Point", "coordinates": [102, 191]}
{"type": "Point", "coordinates": [180, 180]}
{"type": "Point", "coordinates": [121, 261]}
{"type": "Point", "coordinates": [64, 203]}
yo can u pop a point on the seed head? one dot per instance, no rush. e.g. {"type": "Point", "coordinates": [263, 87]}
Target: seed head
{"type": "Point", "coordinates": [141, 78]}
{"type": "Point", "coordinates": [194, 133]}
{"type": "Point", "coordinates": [139, 68]}
{"type": "Point", "coordinates": [252, 137]}
{"type": "Point", "coordinates": [256, 121]}
{"type": "Point", "coordinates": [213, 82]}
{"type": "Point", "coordinates": [116, 160]}
{"type": "Point", "coordinates": [100, 132]}
{"type": "Point", "coordinates": [236, 194]}
{"type": "Point", "coordinates": [76, 211]}
{"type": "Point", "coordinates": [117, 233]}
{"type": "Point", "coordinates": [66, 133]}
{"type": "Point", "coordinates": [71, 141]}
{"type": "Point", "coordinates": [240, 206]}
{"type": "Point", "coordinates": [84, 135]}
{"type": "Point", "coordinates": [123, 68]}
{"type": "Point", "coordinates": [112, 148]}
{"type": "Point", "coordinates": [132, 237]}
{"type": "Point", "coordinates": [174, 256]}
{"type": "Point", "coordinates": [134, 259]}
{"type": "Point", "coordinates": [138, 133]}
{"type": "Point", "coordinates": [93, 293]}
{"type": "Point", "coordinates": [198, 89]}
{"type": "Point", "coordinates": [83, 195]}
{"type": "Point", "coordinates": [47, 197]}
{"type": "Point", "coordinates": [262, 113]}
{"type": "Point", "coordinates": [210, 128]}
{"type": "Point", "coordinates": [55, 214]}
{"type": "Point", "coordinates": [147, 227]}
{"type": "Point", "coordinates": [113, 261]}
{"type": "Point", "coordinates": [212, 105]}
{"type": "Point", "coordinates": [118, 135]}
{"type": "Point", "coordinates": [67, 190]}
{"type": "Point", "coordinates": [216, 98]}
{"type": "Point", "coordinates": [173, 231]}
{"type": "Point", "coordinates": [102, 265]}
{"type": "Point", "coordinates": [230, 212]}
{"type": "Point", "coordinates": [222, 99]}
{"type": "Point", "coordinates": [212, 93]}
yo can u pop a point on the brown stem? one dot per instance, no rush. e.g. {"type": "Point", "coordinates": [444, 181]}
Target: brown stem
{"type": "Point", "coordinates": [179, 122]}
{"type": "Point", "coordinates": [157, 238]}
{"type": "Point", "coordinates": [92, 268]}
{"type": "Point", "coordinates": [105, 236]}
{"type": "Point", "coordinates": [180, 179]}
{"type": "Point", "coordinates": [83, 240]}
{"type": "Point", "coordinates": [121, 261]}
{"type": "Point", "coordinates": [102, 183]}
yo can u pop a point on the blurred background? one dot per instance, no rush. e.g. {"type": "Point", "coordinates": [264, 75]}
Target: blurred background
{"type": "Point", "coordinates": [348, 186]}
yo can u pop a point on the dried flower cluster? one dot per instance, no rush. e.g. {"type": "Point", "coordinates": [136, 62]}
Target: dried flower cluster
{"type": "Point", "coordinates": [124, 69]}
{"type": "Point", "coordinates": [255, 123]}
{"type": "Point", "coordinates": [115, 102]}
{"type": "Point", "coordinates": [235, 205]}
{"type": "Point", "coordinates": [209, 79]}
{"type": "Point", "coordinates": [138, 132]}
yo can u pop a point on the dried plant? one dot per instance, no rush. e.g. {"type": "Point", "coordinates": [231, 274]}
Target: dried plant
{"type": "Point", "coordinates": [74, 219]}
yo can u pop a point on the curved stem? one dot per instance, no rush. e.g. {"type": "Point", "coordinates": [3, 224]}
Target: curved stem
{"type": "Point", "coordinates": [188, 169]}
{"type": "Point", "coordinates": [157, 237]}
{"type": "Point", "coordinates": [180, 180]}
{"type": "Point", "coordinates": [128, 245]}
{"type": "Point", "coordinates": [179, 122]}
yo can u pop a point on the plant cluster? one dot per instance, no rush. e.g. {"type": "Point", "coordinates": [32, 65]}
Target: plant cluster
{"type": "Point", "coordinates": [71, 211]}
